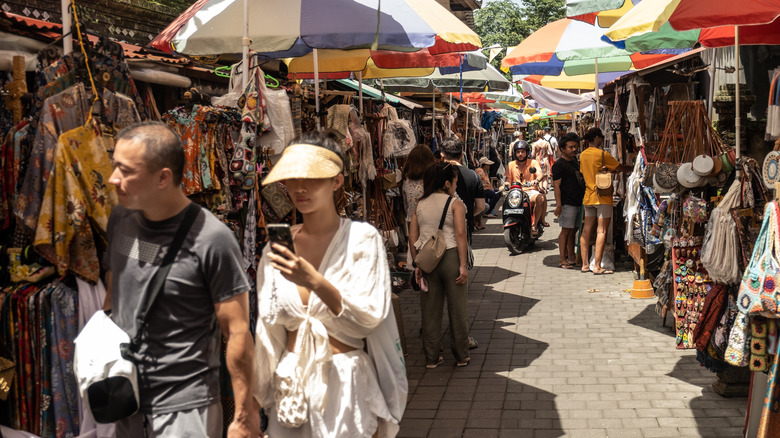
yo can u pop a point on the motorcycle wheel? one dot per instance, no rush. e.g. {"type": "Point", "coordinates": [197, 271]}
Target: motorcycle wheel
{"type": "Point", "coordinates": [515, 242]}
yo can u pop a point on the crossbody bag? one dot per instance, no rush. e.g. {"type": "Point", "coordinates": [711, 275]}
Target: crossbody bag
{"type": "Point", "coordinates": [105, 357]}
{"type": "Point", "coordinates": [433, 250]}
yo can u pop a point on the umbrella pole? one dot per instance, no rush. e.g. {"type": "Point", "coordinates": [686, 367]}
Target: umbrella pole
{"type": "Point", "coordinates": [449, 119]}
{"type": "Point", "coordinates": [245, 48]}
{"type": "Point", "coordinates": [713, 69]}
{"type": "Point", "coordinates": [433, 119]}
{"type": "Point", "coordinates": [316, 89]}
{"type": "Point", "coordinates": [360, 92]}
{"type": "Point", "coordinates": [596, 90]}
{"type": "Point", "coordinates": [738, 119]}
{"type": "Point", "coordinates": [67, 39]}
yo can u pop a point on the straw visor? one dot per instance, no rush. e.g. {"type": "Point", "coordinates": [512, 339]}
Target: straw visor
{"type": "Point", "coordinates": [305, 161]}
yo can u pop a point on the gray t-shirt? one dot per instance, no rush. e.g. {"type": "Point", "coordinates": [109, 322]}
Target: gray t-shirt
{"type": "Point", "coordinates": [180, 365]}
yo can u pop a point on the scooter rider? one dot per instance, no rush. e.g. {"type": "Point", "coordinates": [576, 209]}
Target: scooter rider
{"type": "Point", "coordinates": [518, 170]}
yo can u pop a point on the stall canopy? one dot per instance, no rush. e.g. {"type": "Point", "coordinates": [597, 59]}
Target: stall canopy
{"type": "Point", "coordinates": [558, 100]}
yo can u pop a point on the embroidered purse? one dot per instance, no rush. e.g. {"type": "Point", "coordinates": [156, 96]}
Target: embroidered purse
{"type": "Point", "coordinates": [292, 408]}
{"type": "Point", "coordinates": [276, 197]}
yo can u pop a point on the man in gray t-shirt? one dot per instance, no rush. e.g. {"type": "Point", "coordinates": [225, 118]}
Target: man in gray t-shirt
{"type": "Point", "coordinates": [204, 297]}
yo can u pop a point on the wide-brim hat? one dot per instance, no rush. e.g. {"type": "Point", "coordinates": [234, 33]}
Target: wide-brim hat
{"type": "Point", "coordinates": [305, 161]}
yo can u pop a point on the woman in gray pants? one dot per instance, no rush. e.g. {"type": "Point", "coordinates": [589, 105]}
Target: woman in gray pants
{"type": "Point", "coordinates": [449, 277]}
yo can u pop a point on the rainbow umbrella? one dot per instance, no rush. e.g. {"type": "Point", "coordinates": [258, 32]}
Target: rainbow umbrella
{"type": "Point", "coordinates": [291, 28]}
{"type": "Point", "coordinates": [759, 21]}
{"type": "Point", "coordinates": [570, 48]}
{"type": "Point", "coordinates": [294, 27]}
{"type": "Point", "coordinates": [573, 47]}
{"type": "Point", "coordinates": [601, 12]}
{"type": "Point", "coordinates": [647, 26]}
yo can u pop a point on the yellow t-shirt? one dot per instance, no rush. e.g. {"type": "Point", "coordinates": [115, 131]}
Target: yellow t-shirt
{"type": "Point", "coordinates": [590, 164]}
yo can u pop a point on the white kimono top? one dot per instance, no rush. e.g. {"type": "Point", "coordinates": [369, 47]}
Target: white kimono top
{"type": "Point", "coordinates": [356, 264]}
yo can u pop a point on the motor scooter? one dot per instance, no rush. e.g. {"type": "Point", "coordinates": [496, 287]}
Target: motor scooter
{"type": "Point", "coordinates": [517, 214]}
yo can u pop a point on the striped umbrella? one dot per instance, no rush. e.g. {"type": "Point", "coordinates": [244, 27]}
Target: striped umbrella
{"type": "Point", "coordinates": [603, 13]}
{"type": "Point", "coordinates": [294, 27]}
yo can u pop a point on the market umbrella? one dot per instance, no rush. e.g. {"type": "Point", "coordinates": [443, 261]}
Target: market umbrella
{"type": "Point", "coordinates": [760, 21]}
{"type": "Point", "coordinates": [477, 80]}
{"type": "Point", "coordinates": [603, 12]}
{"type": "Point", "coordinates": [575, 82]}
{"type": "Point", "coordinates": [208, 27]}
{"type": "Point", "coordinates": [290, 28]}
{"type": "Point", "coordinates": [574, 47]}
{"type": "Point", "coordinates": [374, 64]}
{"type": "Point", "coordinates": [647, 26]}
{"type": "Point", "coordinates": [547, 50]}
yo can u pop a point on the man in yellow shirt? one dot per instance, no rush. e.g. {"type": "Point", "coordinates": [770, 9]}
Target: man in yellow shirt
{"type": "Point", "coordinates": [519, 170]}
{"type": "Point", "coordinates": [598, 209]}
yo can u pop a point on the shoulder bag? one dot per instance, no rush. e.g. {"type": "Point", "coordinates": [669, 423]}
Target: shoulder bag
{"type": "Point", "coordinates": [603, 179]}
{"type": "Point", "coordinates": [433, 250]}
{"type": "Point", "coordinates": [104, 357]}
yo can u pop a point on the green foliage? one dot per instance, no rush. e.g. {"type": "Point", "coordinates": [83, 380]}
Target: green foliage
{"type": "Point", "coordinates": [505, 23]}
{"type": "Point", "coordinates": [541, 12]}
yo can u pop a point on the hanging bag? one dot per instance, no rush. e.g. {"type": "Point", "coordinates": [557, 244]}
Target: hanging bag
{"type": "Point", "coordinates": [433, 250]}
{"type": "Point", "coordinates": [104, 358]}
{"type": "Point", "coordinates": [759, 280]}
{"type": "Point", "coordinates": [603, 179]}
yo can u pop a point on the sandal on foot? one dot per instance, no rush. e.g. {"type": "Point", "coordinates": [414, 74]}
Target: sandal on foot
{"type": "Point", "coordinates": [584, 271]}
{"type": "Point", "coordinates": [565, 265]}
{"type": "Point", "coordinates": [473, 343]}
{"type": "Point", "coordinates": [463, 363]}
{"type": "Point", "coordinates": [431, 366]}
{"type": "Point", "coordinates": [603, 272]}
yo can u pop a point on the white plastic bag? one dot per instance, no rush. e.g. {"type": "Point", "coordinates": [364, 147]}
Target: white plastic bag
{"type": "Point", "coordinates": [607, 260]}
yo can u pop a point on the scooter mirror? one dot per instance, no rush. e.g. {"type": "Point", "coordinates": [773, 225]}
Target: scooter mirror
{"type": "Point", "coordinates": [532, 170]}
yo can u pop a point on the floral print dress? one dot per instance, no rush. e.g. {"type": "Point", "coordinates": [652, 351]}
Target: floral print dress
{"type": "Point", "coordinates": [77, 195]}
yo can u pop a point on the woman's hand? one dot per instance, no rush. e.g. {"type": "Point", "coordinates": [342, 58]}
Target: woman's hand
{"type": "Point", "coordinates": [293, 268]}
{"type": "Point", "coordinates": [464, 274]}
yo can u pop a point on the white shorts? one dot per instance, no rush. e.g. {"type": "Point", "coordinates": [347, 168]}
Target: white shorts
{"type": "Point", "coordinates": [602, 211]}
{"type": "Point", "coordinates": [354, 402]}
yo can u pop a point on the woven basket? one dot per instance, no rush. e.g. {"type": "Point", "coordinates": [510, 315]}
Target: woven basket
{"type": "Point", "coordinates": [666, 175]}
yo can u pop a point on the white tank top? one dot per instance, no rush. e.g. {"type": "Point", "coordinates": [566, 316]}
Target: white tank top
{"type": "Point", "coordinates": [428, 216]}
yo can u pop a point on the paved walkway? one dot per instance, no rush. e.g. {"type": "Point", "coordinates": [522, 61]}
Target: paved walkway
{"type": "Point", "coordinates": [557, 360]}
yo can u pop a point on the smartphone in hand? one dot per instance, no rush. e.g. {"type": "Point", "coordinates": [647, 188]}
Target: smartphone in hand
{"type": "Point", "coordinates": [280, 233]}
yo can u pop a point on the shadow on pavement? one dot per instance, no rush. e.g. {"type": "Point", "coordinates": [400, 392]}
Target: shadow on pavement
{"type": "Point", "coordinates": [488, 396]}
{"type": "Point", "coordinates": [714, 415]}
{"type": "Point", "coordinates": [650, 320]}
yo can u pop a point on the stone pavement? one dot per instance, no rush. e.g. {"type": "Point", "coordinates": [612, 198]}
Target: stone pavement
{"type": "Point", "coordinates": [557, 360]}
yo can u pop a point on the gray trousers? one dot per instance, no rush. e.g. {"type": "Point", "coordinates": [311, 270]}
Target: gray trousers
{"type": "Point", "coordinates": [441, 284]}
{"type": "Point", "coordinates": [205, 422]}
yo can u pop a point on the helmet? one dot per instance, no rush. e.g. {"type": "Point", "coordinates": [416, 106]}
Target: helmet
{"type": "Point", "coordinates": [520, 144]}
